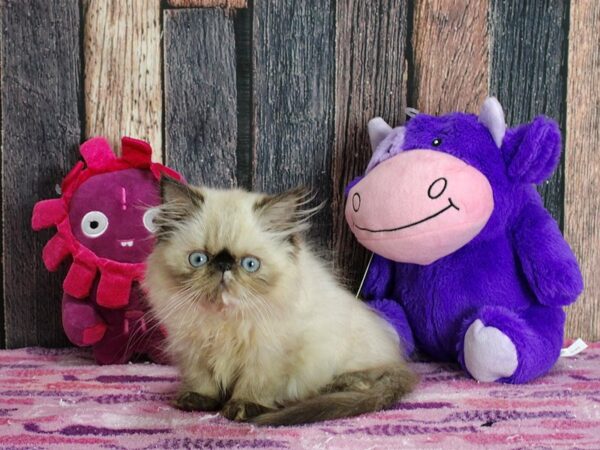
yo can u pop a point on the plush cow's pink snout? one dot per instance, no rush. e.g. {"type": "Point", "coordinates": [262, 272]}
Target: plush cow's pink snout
{"type": "Point", "coordinates": [419, 206]}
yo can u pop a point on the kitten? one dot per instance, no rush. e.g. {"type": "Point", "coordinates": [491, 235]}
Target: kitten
{"type": "Point", "coordinates": [258, 327]}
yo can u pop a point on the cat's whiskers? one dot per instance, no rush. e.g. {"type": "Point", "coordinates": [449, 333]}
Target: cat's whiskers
{"type": "Point", "coordinates": [264, 314]}
{"type": "Point", "coordinates": [140, 333]}
{"type": "Point", "coordinates": [185, 297]}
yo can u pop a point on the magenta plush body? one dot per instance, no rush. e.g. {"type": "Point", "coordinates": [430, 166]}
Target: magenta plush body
{"type": "Point", "coordinates": [468, 264]}
{"type": "Point", "coordinates": [104, 225]}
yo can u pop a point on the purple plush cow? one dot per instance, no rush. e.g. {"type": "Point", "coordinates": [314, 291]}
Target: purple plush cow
{"type": "Point", "coordinates": [468, 264]}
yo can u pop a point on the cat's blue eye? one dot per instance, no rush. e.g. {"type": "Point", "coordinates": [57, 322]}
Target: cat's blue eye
{"type": "Point", "coordinates": [250, 264]}
{"type": "Point", "coordinates": [198, 259]}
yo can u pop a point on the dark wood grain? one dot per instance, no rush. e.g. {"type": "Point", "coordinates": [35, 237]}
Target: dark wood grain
{"type": "Point", "coordinates": [200, 95]}
{"type": "Point", "coordinates": [370, 63]}
{"type": "Point", "coordinates": [243, 52]}
{"type": "Point", "coordinates": [293, 100]}
{"type": "Point", "coordinates": [450, 55]}
{"type": "Point", "coordinates": [582, 171]}
{"type": "Point", "coordinates": [528, 70]}
{"type": "Point", "coordinates": [41, 128]}
{"type": "Point", "coordinates": [208, 3]}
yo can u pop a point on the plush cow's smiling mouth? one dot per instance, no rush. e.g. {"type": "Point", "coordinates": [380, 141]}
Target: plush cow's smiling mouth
{"type": "Point", "coordinates": [386, 230]}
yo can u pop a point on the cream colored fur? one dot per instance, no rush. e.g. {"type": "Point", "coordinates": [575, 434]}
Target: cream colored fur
{"type": "Point", "coordinates": [273, 337]}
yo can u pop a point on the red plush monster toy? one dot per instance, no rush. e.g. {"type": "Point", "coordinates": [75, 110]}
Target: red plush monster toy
{"type": "Point", "coordinates": [104, 223]}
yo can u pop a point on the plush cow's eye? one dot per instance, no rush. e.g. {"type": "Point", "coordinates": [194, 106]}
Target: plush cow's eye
{"type": "Point", "coordinates": [436, 142]}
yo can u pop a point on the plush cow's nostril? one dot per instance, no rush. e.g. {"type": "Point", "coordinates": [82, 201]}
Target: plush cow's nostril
{"type": "Point", "coordinates": [356, 202]}
{"type": "Point", "coordinates": [437, 188]}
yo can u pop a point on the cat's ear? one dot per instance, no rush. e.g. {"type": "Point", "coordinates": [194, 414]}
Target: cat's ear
{"type": "Point", "coordinates": [173, 191]}
{"type": "Point", "coordinates": [286, 213]}
{"type": "Point", "coordinates": [178, 203]}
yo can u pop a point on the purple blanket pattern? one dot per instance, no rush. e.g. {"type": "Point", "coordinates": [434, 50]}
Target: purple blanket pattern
{"type": "Point", "coordinates": [60, 399]}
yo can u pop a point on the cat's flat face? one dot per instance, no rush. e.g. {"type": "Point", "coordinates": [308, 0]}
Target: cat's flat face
{"type": "Point", "coordinates": [228, 247]}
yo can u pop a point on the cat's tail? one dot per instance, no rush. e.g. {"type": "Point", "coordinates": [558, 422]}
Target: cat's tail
{"type": "Point", "coordinates": [350, 394]}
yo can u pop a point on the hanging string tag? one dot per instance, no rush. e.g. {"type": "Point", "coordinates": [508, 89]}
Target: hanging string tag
{"type": "Point", "coordinates": [576, 347]}
{"type": "Point", "coordinates": [364, 276]}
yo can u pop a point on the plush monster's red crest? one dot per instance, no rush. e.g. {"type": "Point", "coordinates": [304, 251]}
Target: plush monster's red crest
{"type": "Point", "coordinates": [116, 273]}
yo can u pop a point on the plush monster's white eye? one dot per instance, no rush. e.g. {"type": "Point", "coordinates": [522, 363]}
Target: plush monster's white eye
{"type": "Point", "coordinates": [149, 219]}
{"type": "Point", "coordinates": [250, 264]}
{"type": "Point", "coordinates": [198, 259]}
{"type": "Point", "coordinates": [94, 224]}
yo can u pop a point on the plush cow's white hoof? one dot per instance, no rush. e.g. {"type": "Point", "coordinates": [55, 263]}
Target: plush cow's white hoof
{"type": "Point", "coordinates": [489, 353]}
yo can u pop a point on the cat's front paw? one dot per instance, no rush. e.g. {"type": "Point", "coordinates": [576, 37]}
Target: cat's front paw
{"type": "Point", "coordinates": [489, 353]}
{"type": "Point", "coordinates": [241, 410]}
{"type": "Point", "coordinates": [192, 401]}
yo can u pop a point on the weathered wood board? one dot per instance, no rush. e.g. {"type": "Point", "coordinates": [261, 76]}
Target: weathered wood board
{"type": "Point", "coordinates": [41, 130]}
{"type": "Point", "coordinates": [450, 56]}
{"type": "Point", "coordinates": [370, 63]}
{"type": "Point", "coordinates": [123, 93]}
{"type": "Point", "coordinates": [529, 82]}
{"type": "Point", "coordinates": [294, 100]}
{"type": "Point", "coordinates": [245, 128]}
{"type": "Point", "coordinates": [272, 94]}
{"type": "Point", "coordinates": [582, 171]}
{"type": "Point", "coordinates": [200, 96]}
{"type": "Point", "coordinates": [208, 3]}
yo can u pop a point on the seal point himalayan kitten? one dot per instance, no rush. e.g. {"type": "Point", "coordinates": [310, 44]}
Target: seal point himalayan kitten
{"type": "Point", "coordinates": [259, 328]}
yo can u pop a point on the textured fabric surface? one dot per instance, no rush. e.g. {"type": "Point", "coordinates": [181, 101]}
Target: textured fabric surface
{"type": "Point", "coordinates": [60, 399]}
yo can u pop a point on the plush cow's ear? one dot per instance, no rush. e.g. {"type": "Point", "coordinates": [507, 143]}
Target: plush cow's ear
{"type": "Point", "coordinates": [390, 145]}
{"type": "Point", "coordinates": [378, 130]}
{"type": "Point", "coordinates": [532, 151]}
{"type": "Point", "coordinates": [492, 116]}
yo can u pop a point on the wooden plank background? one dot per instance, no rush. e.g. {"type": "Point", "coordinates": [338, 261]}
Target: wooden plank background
{"type": "Point", "coordinates": [370, 81]}
{"type": "Point", "coordinates": [450, 55]}
{"type": "Point", "coordinates": [529, 82]}
{"type": "Point", "coordinates": [123, 94]}
{"type": "Point", "coordinates": [200, 98]}
{"type": "Point", "coordinates": [582, 174]}
{"type": "Point", "coordinates": [41, 130]}
{"type": "Point", "coordinates": [268, 94]}
{"type": "Point", "coordinates": [293, 100]}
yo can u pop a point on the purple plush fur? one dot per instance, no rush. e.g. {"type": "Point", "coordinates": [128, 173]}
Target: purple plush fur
{"type": "Point", "coordinates": [515, 275]}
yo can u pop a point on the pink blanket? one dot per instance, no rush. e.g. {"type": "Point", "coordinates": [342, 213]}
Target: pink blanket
{"type": "Point", "coordinates": [60, 399]}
